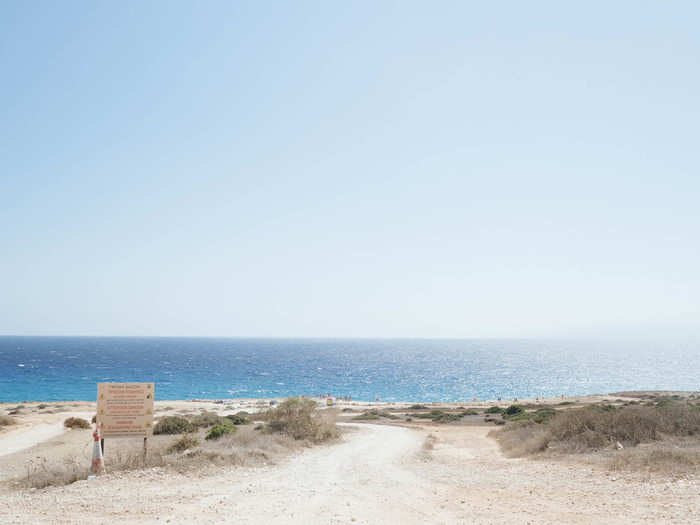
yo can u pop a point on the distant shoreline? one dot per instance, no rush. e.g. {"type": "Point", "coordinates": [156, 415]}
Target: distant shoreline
{"type": "Point", "coordinates": [584, 398]}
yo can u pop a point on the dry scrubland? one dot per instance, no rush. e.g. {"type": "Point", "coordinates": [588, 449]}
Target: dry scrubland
{"type": "Point", "coordinates": [200, 441]}
{"type": "Point", "coordinates": [654, 433]}
{"type": "Point", "coordinates": [623, 458]}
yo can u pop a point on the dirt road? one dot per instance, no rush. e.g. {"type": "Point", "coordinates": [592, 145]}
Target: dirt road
{"type": "Point", "coordinates": [378, 475]}
{"type": "Point", "coordinates": [19, 439]}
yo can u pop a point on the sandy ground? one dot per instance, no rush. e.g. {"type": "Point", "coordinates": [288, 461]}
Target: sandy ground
{"type": "Point", "coordinates": [27, 436]}
{"type": "Point", "coordinates": [378, 474]}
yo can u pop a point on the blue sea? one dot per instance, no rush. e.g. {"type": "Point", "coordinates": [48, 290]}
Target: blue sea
{"type": "Point", "coordinates": [68, 368]}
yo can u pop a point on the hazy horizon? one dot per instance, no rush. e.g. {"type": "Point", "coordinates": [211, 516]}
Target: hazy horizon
{"type": "Point", "coordinates": [350, 170]}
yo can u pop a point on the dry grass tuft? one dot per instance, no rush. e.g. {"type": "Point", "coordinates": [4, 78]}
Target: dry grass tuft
{"type": "Point", "coordinates": [134, 460]}
{"type": "Point", "coordinates": [522, 438]}
{"type": "Point", "coordinates": [429, 443]}
{"type": "Point", "coordinates": [665, 458]}
{"type": "Point", "coordinates": [76, 422]}
{"type": "Point", "coordinates": [40, 473]}
{"type": "Point", "coordinates": [427, 448]}
{"type": "Point", "coordinates": [186, 442]}
{"type": "Point", "coordinates": [6, 421]}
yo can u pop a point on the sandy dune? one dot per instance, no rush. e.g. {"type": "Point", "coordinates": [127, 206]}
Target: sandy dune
{"type": "Point", "coordinates": [379, 474]}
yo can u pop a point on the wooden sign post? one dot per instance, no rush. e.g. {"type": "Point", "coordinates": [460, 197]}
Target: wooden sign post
{"type": "Point", "coordinates": [125, 410]}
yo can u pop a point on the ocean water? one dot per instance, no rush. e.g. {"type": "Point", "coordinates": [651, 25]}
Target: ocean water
{"type": "Point", "coordinates": [68, 368]}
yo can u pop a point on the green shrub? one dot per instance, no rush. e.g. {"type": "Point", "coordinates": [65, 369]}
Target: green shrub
{"type": "Point", "coordinates": [236, 419]}
{"type": "Point", "coordinates": [375, 414]}
{"type": "Point", "coordinates": [469, 412]}
{"type": "Point", "coordinates": [418, 407]}
{"type": "Point", "coordinates": [428, 415]}
{"type": "Point", "coordinates": [494, 410]}
{"type": "Point", "coordinates": [219, 430]}
{"type": "Point", "coordinates": [513, 410]}
{"type": "Point", "coordinates": [444, 417]}
{"type": "Point", "coordinates": [173, 425]}
{"type": "Point", "coordinates": [186, 442]}
{"type": "Point", "coordinates": [438, 416]}
{"type": "Point", "coordinates": [42, 407]}
{"type": "Point", "coordinates": [540, 416]}
{"type": "Point", "coordinates": [76, 422]}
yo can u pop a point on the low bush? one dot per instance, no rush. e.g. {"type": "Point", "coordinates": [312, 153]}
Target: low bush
{"type": "Point", "coordinates": [76, 422]}
{"type": "Point", "coordinates": [445, 417]}
{"type": "Point", "coordinates": [375, 414]}
{"type": "Point", "coordinates": [539, 416]}
{"type": "Point", "coordinates": [237, 419]}
{"type": "Point", "coordinates": [300, 419]}
{"type": "Point", "coordinates": [42, 407]}
{"type": "Point", "coordinates": [418, 407]}
{"type": "Point", "coordinates": [173, 425]}
{"type": "Point", "coordinates": [208, 419]}
{"type": "Point", "coordinates": [367, 415]}
{"type": "Point", "coordinates": [438, 416]}
{"type": "Point", "coordinates": [593, 427]}
{"type": "Point", "coordinates": [427, 415]}
{"type": "Point", "coordinates": [494, 410]}
{"type": "Point", "coordinates": [513, 410]}
{"type": "Point", "coordinates": [6, 421]}
{"type": "Point", "coordinates": [217, 431]}
{"type": "Point", "coordinates": [186, 442]}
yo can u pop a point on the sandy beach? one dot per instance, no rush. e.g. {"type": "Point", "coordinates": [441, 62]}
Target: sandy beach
{"type": "Point", "coordinates": [393, 472]}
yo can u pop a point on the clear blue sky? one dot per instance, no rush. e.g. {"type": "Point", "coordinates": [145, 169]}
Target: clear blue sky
{"type": "Point", "coordinates": [449, 169]}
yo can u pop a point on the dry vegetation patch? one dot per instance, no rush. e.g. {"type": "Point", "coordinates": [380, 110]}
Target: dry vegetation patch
{"type": "Point", "coordinates": [76, 422]}
{"type": "Point", "coordinates": [375, 414]}
{"type": "Point", "coordinates": [6, 421]}
{"type": "Point", "coordinates": [203, 441]}
{"type": "Point", "coordinates": [675, 458]}
{"type": "Point", "coordinates": [301, 420]}
{"type": "Point", "coordinates": [663, 437]}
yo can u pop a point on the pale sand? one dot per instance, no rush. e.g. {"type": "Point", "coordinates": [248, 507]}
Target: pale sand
{"type": "Point", "coordinates": [377, 474]}
{"type": "Point", "coordinates": [26, 436]}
